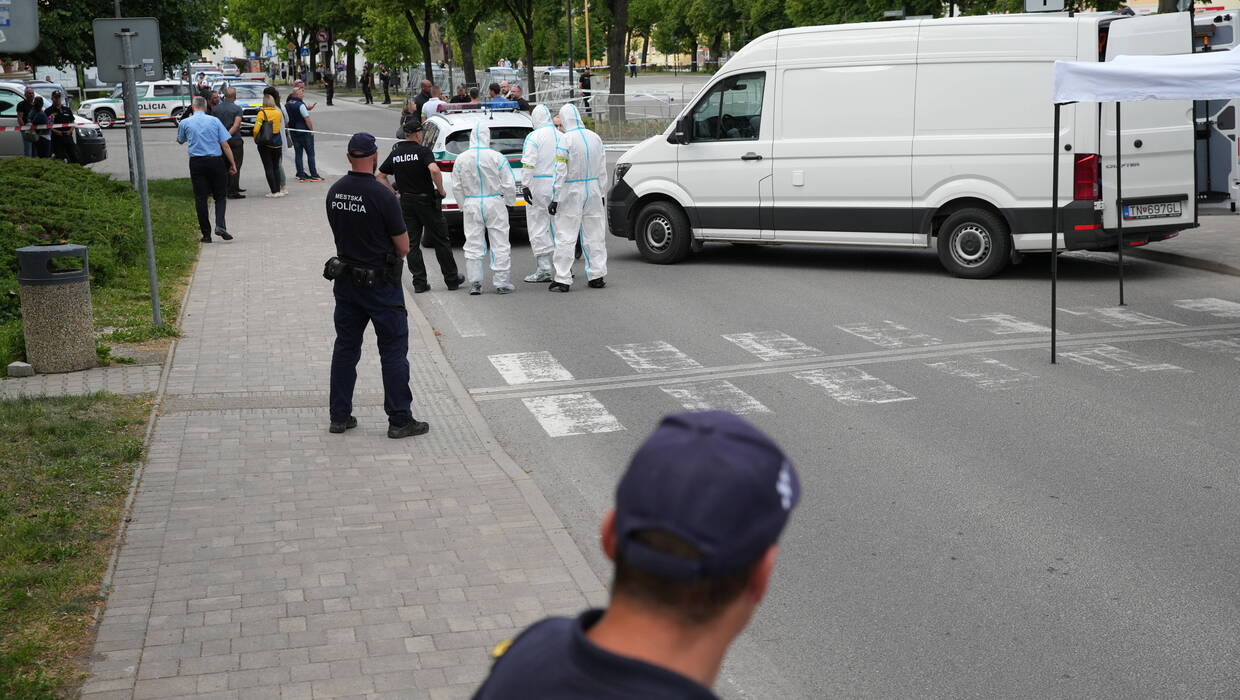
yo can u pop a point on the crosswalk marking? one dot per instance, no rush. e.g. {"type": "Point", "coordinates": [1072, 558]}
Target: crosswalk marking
{"type": "Point", "coordinates": [888, 334]}
{"type": "Point", "coordinates": [1109, 358]}
{"type": "Point", "coordinates": [1229, 346]}
{"type": "Point", "coordinates": [1210, 305]}
{"type": "Point", "coordinates": [529, 367]}
{"type": "Point", "coordinates": [711, 395]}
{"type": "Point", "coordinates": [562, 415]}
{"type": "Point", "coordinates": [853, 386]}
{"type": "Point", "coordinates": [770, 346]}
{"type": "Point", "coordinates": [1123, 317]}
{"type": "Point", "coordinates": [657, 356]}
{"type": "Point", "coordinates": [985, 372]}
{"type": "Point", "coordinates": [1005, 324]}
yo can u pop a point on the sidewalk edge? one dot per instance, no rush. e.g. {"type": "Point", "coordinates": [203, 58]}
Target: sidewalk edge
{"type": "Point", "coordinates": [1186, 261]}
{"type": "Point", "coordinates": [570, 553]}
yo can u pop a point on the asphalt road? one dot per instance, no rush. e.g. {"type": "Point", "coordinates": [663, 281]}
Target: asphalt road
{"type": "Point", "coordinates": [976, 521]}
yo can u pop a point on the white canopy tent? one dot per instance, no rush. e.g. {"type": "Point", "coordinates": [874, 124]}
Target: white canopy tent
{"type": "Point", "coordinates": [1199, 76]}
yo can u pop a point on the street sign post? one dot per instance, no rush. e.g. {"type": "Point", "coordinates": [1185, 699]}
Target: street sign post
{"type": "Point", "coordinates": [123, 46]}
{"type": "Point", "coordinates": [19, 26]}
{"type": "Point", "coordinates": [321, 36]}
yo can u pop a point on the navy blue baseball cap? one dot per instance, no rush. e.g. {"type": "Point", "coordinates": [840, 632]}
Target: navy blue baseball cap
{"type": "Point", "coordinates": [362, 144]}
{"type": "Point", "coordinates": [715, 481]}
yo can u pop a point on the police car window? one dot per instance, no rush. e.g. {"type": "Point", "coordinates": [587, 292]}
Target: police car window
{"type": "Point", "coordinates": [117, 93]}
{"type": "Point", "coordinates": [732, 111]}
{"type": "Point", "coordinates": [8, 104]}
{"type": "Point", "coordinates": [505, 139]}
{"type": "Point", "coordinates": [165, 91]}
{"type": "Point", "coordinates": [429, 133]}
{"type": "Point", "coordinates": [248, 92]}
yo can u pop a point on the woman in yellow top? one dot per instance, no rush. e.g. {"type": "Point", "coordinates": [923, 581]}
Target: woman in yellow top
{"type": "Point", "coordinates": [273, 152]}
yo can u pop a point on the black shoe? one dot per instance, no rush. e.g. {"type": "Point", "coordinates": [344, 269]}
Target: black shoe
{"type": "Point", "coordinates": [421, 288]}
{"type": "Point", "coordinates": [241, 189]}
{"type": "Point", "coordinates": [340, 427]}
{"type": "Point", "coordinates": [205, 239]}
{"type": "Point", "coordinates": [475, 289]}
{"type": "Point", "coordinates": [413, 427]}
{"type": "Point", "coordinates": [236, 195]}
{"type": "Point", "coordinates": [225, 235]}
{"type": "Point", "coordinates": [597, 283]}
{"type": "Point", "coordinates": [455, 283]}
{"type": "Point", "coordinates": [558, 287]}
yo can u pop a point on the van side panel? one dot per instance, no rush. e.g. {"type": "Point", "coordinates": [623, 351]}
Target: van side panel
{"type": "Point", "coordinates": [984, 118]}
{"type": "Point", "coordinates": [844, 136]}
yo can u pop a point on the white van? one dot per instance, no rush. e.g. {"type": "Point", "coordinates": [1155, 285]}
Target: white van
{"type": "Point", "coordinates": [914, 134]}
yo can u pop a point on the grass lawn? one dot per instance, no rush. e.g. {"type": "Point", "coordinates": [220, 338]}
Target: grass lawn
{"type": "Point", "coordinates": [67, 464]}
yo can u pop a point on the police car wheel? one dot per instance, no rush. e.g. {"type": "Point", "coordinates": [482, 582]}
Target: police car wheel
{"type": "Point", "coordinates": [176, 114]}
{"type": "Point", "coordinates": [974, 244]}
{"type": "Point", "coordinates": [663, 233]}
{"type": "Point", "coordinates": [104, 118]}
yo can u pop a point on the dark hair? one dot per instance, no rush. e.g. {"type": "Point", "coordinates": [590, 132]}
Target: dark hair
{"type": "Point", "coordinates": [494, 87]}
{"type": "Point", "coordinates": [473, 92]}
{"type": "Point", "coordinates": [693, 602]}
{"type": "Point", "coordinates": [275, 94]}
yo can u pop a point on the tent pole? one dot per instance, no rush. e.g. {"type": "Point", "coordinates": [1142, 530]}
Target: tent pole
{"type": "Point", "coordinates": [1119, 204]}
{"type": "Point", "coordinates": [1054, 233]}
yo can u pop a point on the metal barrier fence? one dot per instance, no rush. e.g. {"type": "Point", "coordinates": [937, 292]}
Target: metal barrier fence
{"type": "Point", "coordinates": [618, 119]}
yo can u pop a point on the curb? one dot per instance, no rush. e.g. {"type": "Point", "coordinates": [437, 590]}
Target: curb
{"type": "Point", "coordinates": [593, 589]}
{"type": "Point", "coordinates": [1187, 261]}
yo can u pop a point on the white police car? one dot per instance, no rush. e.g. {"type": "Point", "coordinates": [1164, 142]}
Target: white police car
{"type": "Point", "coordinates": [159, 100]}
{"type": "Point", "coordinates": [447, 134]}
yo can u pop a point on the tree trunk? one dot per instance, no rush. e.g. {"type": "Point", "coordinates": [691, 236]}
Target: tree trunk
{"type": "Point", "coordinates": [716, 48]}
{"type": "Point", "coordinates": [467, 57]}
{"type": "Point", "coordinates": [645, 46]}
{"type": "Point", "coordinates": [693, 47]}
{"type": "Point", "coordinates": [350, 68]}
{"type": "Point", "coordinates": [617, 53]}
{"type": "Point", "coordinates": [528, 39]}
{"type": "Point", "coordinates": [1168, 6]}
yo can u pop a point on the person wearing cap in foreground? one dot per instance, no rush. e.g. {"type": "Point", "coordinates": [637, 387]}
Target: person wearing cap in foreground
{"type": "Point", "coordinates": [693, 536]}
{"type": "Point", "coordinates": [371, 244]}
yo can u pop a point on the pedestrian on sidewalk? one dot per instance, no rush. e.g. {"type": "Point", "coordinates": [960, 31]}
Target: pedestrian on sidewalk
{"type": "Point", "coordinates": [694, 536]}
{"type": "Point", "coordinates": [368, 84]}
{"type": "Point", "coordinates": [270, 144]}
{"type": "Point", "coordinates": [299, 127]}
{"type": "Point", "coordinates": [385, 78]}
{"type": "Point", "coordinates": [329, 84]}
{"type": "Point", "coordinates": [210, 164]}
{"type": "Point", "coordinates": [229, 115]}
{"type": "Point", "coordinates": [419, 185]}
{"type": "Point", "coordinates": [371, 240]}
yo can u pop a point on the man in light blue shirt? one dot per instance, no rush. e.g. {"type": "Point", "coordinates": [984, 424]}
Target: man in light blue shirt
{"type": "Point", "coordinates": [208, 152]}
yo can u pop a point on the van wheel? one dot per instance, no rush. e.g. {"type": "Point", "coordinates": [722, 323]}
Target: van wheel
{"type": "Point", "coordinates": [663, 233]}
{"type": "Point", "coordinates": [104, 118]}
{"type": "Point", "coordinates": [974, 244]}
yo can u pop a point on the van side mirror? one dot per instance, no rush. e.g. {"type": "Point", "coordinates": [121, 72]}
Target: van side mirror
{"type": "Point", "coordinates": [680, 135]}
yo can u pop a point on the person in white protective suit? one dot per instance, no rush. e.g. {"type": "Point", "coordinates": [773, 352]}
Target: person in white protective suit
{"type": "Point", "coordinates": [538, 174]}
{"type": "Point", "coordinates": [577, 204]}
{"type": "Point", "coordinates": [484, 186]}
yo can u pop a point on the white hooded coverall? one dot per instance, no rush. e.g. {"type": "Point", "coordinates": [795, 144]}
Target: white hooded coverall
{"type": "Point", "coordinates": [484, 186]}
{"type": "Point", "coordinates": [538, 168]}
{"type": "Point", "coordinates": [579, 186]}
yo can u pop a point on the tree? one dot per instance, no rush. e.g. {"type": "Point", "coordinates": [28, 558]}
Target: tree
{"type": "Point", "coordinates": [522, 14]}
{"type": "Point", "coordinates": [643, 16]}
{"type": "Point", "coordinates": [463, 18]}
{"type": "Point", "coordinates": [617, 45]}
{"type": "Point", "coordinates": [388, 40]}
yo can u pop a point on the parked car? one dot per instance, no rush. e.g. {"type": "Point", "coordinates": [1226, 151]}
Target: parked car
{"type": "Point", "coordinates": [159, 100]}
{"type": "Point", "coordinates": [92, 147]}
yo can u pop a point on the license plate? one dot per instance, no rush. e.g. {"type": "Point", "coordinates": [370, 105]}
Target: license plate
{"type": "Point", "coordinates": [1154, 210]}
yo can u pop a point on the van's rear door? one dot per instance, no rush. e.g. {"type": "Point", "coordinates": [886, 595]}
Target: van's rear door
{"type": "Point", "coordinates": [1158, 187]}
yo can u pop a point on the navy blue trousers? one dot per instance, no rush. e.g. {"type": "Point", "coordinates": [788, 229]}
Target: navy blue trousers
{"type": "Point", "coordinates": [385, 308]}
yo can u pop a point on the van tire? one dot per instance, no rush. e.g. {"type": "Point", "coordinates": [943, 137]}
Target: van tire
{"type": "Point", "coordinates": [663, 234]}
{"type": "Point", "coordinates": [974, 244]}
{"type": "Point", "coordinates": [104, 117]}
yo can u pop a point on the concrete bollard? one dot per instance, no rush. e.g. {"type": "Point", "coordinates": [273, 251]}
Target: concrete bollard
{"type": "Point", "coordinates": [56, 314]}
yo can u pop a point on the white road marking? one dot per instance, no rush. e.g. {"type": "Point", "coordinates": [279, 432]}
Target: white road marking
{"type": "Point", "coordinates": [770, 346]}
{"type": "Point", "coordinates": [985, 372]}
{"type": "Point", "coordinates": [529, 367]}
{"type": "Point", "coordinates": [463, 321]}
{"type": "Point", "coordinates": [1006, 324]}
{"type": "Point", "coordinates": [1215, 307]}
{"type": "Point", "coordinates": [1230, 346]}
{"type": "Point", "coordinates": [889, 334]}
{"type": "Point", "coordinates": [1123, 317]}
{"type": "Point", "coordinates": [854, 386]}
{"type": "Point", "coordinates": [657, 356]}
{"type": "Point", "coordinates": [714, 395]}
{"type": "Point", "coordinates": [571, 414]}
{"type": "Point", "coordinates": [1109, 358]}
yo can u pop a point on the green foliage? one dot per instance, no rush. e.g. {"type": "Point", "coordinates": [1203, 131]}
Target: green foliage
{"type": "Point", "coordinates": [52, 202]}
{"type": "Point", "coordinates": [68, 464]}
{"type": "Point", "coordinates": [388, 40]}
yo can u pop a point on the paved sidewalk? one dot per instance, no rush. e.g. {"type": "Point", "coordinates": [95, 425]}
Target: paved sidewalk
{"type": "Point", "coordinates": [121, 379]}
{"type": "Point", "coordinates": [1214, 246]}
{"type": "Point", "coordinates": [267, 558]}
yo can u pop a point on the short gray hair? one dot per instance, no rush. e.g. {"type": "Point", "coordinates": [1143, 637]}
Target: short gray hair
{"type": "Point", "coordinates": [230, 93]}
{"type": "Point", "coordinates": [199, 102]}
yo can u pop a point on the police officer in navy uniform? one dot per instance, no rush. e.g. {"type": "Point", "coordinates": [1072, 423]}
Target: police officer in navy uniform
{"type": "Point", "coordinates": [371, 243]}
{"type": "Point", "coordinates": [419, 184]}
{"type": "Point", "coordinates": [694, 536]}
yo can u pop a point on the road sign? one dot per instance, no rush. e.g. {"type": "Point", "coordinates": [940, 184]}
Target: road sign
{"type": "Point", "coordinates": [19, 26]}
{"type": "Point", "coordinates": [144, 43]}
{"type": "Point", "coordinates": [291, 45]}
{"type": "Point", "coordinates": [253, 55]}
{"type": "Point", "coordinates": [305, 51]}
{"type": "Point", "coordinates": [321, 35]}
{"type": "Point", "coordinates": [323, 45]}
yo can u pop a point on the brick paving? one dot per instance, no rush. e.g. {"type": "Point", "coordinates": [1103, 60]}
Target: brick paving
{"type": "Point", "coordinates": [267, 558]}
{"type": "Point", "coordinates": [119, 379]}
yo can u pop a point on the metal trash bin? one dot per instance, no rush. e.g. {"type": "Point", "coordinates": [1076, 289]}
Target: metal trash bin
{"type": "Point", "coordinates": [56, 313]}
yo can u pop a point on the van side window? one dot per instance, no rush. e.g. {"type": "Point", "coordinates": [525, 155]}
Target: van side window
{"type": "Point", "coordinates": [731, 111]}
